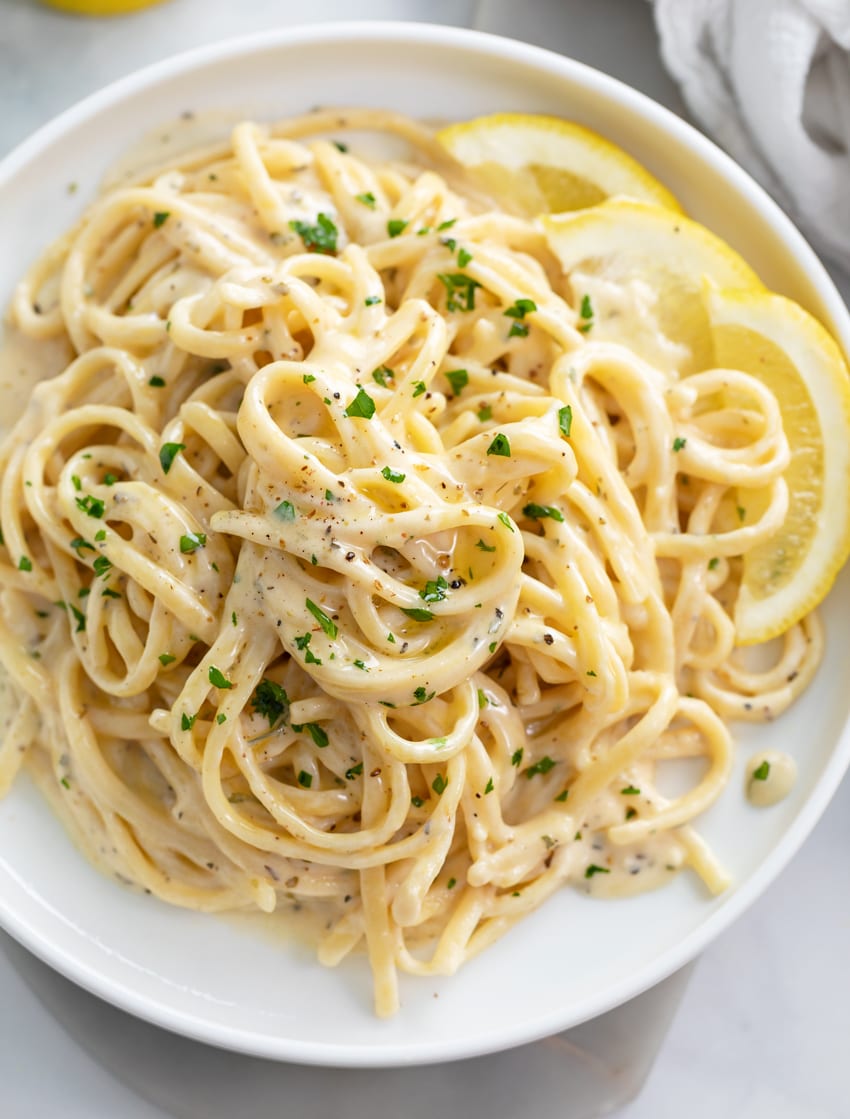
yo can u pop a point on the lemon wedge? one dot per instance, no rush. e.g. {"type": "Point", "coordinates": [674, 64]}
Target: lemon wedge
{"type": "Point", "coordinates": [775, 340]}
{"type": "Point", "coordinates": [638, 273]}
{"type": "Point", "coordinates": [548, 165]}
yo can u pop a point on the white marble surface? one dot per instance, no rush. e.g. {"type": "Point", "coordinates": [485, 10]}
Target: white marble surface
{"type": "Point", "coordinates": [763, 1029]}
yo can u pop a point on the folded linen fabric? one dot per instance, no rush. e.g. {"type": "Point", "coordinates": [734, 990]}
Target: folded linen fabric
{"type": "Point", "coordinates": [770, 80]}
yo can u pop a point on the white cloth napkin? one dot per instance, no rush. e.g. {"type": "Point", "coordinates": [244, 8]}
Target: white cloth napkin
{"type": "Point", "coordinates": [770, 79]}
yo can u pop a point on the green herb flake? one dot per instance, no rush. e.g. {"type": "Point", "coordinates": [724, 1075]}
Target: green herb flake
{"type": "Point", "coordinates": [586, 314]}
{"type": "Point", "coordinates": [396, 226]}
{"type": "Point", "coordinates": [327, 624]}
{"type": "Point", "coordinates": [392, 475]}
{"type": "Point", "coordinates": [500, 446]}
{"type": "Point", "coordinates": [484, 413]}
{"type": "Point", "coordinates": [562, 796]}
{"type": "Point", "coordinates": [518, 330]}
{"type": "Point", "coordinates": [420, 695]}
{"type": "Point", "coordinates": [166, 658]}
{"type": "Point", "coordinates": [187, 721]}
{"type": "Point", "coordinates": [316, 732]}
{"type": "Point", "coordinates": [439, 784]}
{"type": "Point", "coordinates": [631, 813]}
{"type": "Point", "coordinates": [108, 592]}
{"type": "Point", "coordinates": [417, 802]}
{"type": "Point", "coordinates": [434, 590]}
{"type": "Point", "coordinates": [160, 218]}
{"type": "Point", "coordinates": [762, 773]}
{"type": "Point", "coordinates": [460, 290]}
{"type": "Point", "coordinates": [565, 420]}
{"type": "Point", "coordinates": [99, 536]}
{"type": "Point", "coordinates": [458, 379]}
{"type": "Point", "coordinates": [446, 224]}
{"type": "Point", "coordinates": [741, 511]}
{"type": "Point", "coordinates": [367, 198]}
{"type": "Point", "coordinates": [65, 783]}
{"type": "Point", "coordinates": [354, 771]}
{"type": "Point", "coordinates": [543, 766]}
{"type": "Point", "coordinates": [167, 454]}
{"type": "Point", "coordinates": [489, 787]}
{"type": "Point", "coordinates": [594, 869]}
{"type": "Point", "coordinates": [91, 506]}
{"type": "Point", "coordinates": [713, 562]}
{"type": "Point", "coordinates": [417, 614]}
{"type": "Point", "coordinates": [381, 375]}
{"type": "Point", "coordinates": [80, 617]}
{"type": "Point", "coordinates": [418, 388]}
{"type": "Point", "coordinates": [24, 564]}
{"type": "Point", "coordinates": [217, 678]}
{"type": "Point", "coordinates": [76, 483]}
{"type": "Point", "coordinates": [372, 300]}
{"type": "Point", "coordinates": [483, 701]}
{"type": "Point", "coordinates": [516, 757]}
{"type": "Point", "coordinates": [679, 443]}
{"type": "Point", "coordinates": [340, 146]}
{"type": "Point", "coordinates": [221, 718]}
{"type": "Point", "coordinates": [362, 406]}
{"type": "Point", "coordinates": [630, 791]}
{"type": "Point", "coordinates": [285, 511]}
{"type": "Point", "coordinates": [485, 547]}
{"type": "Point", "coordinates": [157, 382]}
{"type": "Point", "coordinates": [305, 779]}
{"type": "Point", "coordinates": [308, 378]}
{"type": "Point", "coordinates": [361, 665]}
{"type": "Point", "coordinates": [271, 702]}
{"type": "Point", "coordinates": [318, 238]}
{"type": "Point", "coordinates": [192, 541]}
{"type": "Point", "coordinates": [540, 512]}
{"type": "Point", "coordinates": [101, 565]}
{"type": "Point", "coordinates": [506, 521]}
{"type": "Point", "coordinates": [463, 258]}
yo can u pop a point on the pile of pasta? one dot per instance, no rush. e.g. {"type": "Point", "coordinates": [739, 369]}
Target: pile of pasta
{"type": "Point", "coordinates": [360, 576]}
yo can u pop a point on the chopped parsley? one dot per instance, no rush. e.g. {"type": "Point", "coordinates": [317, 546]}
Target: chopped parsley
{"type": "Point", "coordinates": [458, 379]}
{"type": "Point", "coordinates": [543, 766]}
{"type": "Point", "coordinates": [446, 224]}
{"type": "Point", "coordinates": [396, 226]}
{"type": "Point", "coordinates": [463, 258]}
{"type": "Point", "coordinates": [166, 658]}
{"type": "Point", "coordinates": [539, 512]}
{"type": "Point", "coordinates": [506, 521]}
{"type": "Point", "coordinates": [24, 564]}
{"type": "Point", "coordinates": [305, 779]}
{"type": "Point", "coordinates": [318, 238]}
{"type": "Point", "coordinates": [271, 702]}
{"type": "Point", "coordinates": [321, 617]}
{"type": "Point", "coordinates": [420, 695]}
{"type": "Point", "coordinates": [285, 511]}
{"type": "Point", "coordinates": [460, 290]}
{"type": "Point", "coordinates": [156, 382]}
{"type": "Point", "coordinates": [439, 784]}
{"type": "Point", "coordinates": [561, 797]}
{"type": "Point", "coordinates": [217, 678]}
{"type": "Point", "coordinates": [630, 791]}
{"type": "Point", "coordinates": [500, 446]}
{"type": "Point", "coordinates": [367, 198]}
{"type": "Point", "coordinates": [489, 787]}
{"type": "Point", "coordinates": [485, 547]}
{"type": "Point", "coordinates": [483, 701]}
{"type": "Point", "coordinates": [565, 420]}
{"type": "Point", "coordinates": [308, 378]}
{"type": "Point", "coordinates": [417, 802]}
{"type": "Point", "coordinates": [418, 388]}
{"type": "Point", "coordinates": [679, 443]}
{"type": "Point", "coordinates": [485, 412]}
{"type": "Point", "coordinates": [101, 565]}
{"type": "Point", "coordinates": [362, 406]}
{"type": "Point", "coordinates": [381, 375]}
{"type": "Point", "coordinates": [520, 308]}
{"type": "Point", "coordinates": [434, 590]}
{"type": "Point", "coordinates": [392, 475]}
{"type": "Point", "coordinates": [354, 771]}
{"type": "Point", "coordinates": [586, 314]}
{"type": "Point", "coordinates": [303, 643]}
{"type": "Point", "coordinates": [372, 300]}
{"type": "Point", "coordinates": [417, 614]}
{"type": "Point", "coordinates": [762, 773]}
{"type": "Point", "coordinates": [160, 218]}
{"type": "Point", "coordinates": [516, 757]}
{"type": "Point", "coordinates": [80, 617]}
{"type": "Point", "coordinates": [92, 506]}
{"type": "Point", "coordinates": [594, 869]}
{"type": "Point", "coordinates": [315, 731]}
{"type": "Point", "coordinates": [167, 454]}
{"type": "Point", "coordinates": [76, 483]}
{"type": "Point", "coordinates": [187, 721]}
{"type": "Point", "coordinates": [713, 562]}
{"type": "Point", "coordinates": [191, 541]}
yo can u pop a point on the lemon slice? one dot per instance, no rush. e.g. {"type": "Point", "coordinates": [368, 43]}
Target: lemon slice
{"type": "Point", "coordinates": [548, 165]}
{"type": "Point", "coordinates": [775, 340]}
{"type": "Point", "coordinates": [639, 271]}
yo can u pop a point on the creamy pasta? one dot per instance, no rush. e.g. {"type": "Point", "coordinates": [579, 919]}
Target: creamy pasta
{"type": "Point", "coordinates": [363, 574]}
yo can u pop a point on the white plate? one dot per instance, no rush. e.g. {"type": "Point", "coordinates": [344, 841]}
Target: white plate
{"type": "Point", "coordinates": [229, 984]}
